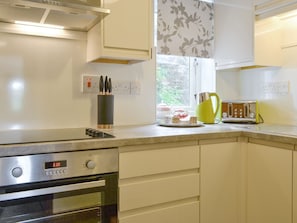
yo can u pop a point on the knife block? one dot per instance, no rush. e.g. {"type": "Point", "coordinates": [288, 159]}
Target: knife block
{"type": "Point", "coordinates": [105, 104]}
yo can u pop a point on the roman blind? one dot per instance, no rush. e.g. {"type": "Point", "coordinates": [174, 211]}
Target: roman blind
{"type": "Point", "coordinates": [185, 28]}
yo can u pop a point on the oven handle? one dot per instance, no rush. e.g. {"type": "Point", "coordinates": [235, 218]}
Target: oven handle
{"type": "Point", "coordinates": [51, 190]}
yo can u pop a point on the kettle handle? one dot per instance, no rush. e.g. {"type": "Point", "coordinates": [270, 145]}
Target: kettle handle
{"type": "Point", "coordinates": [217, 102]}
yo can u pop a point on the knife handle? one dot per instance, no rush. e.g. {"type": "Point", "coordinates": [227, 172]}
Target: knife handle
{"type": "Point", "coordinates": [101, 85]}
{"type": "Point", "coordinates": [106, 85]}
{"type": "Point", "coordinates": [109, 86]}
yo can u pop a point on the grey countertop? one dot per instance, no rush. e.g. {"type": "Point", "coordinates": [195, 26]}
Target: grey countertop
{"type": "Point", "coordinates": [148, 134]}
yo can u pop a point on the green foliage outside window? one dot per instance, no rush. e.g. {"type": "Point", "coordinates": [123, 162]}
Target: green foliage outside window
{"type": "Point", "coordinates": [173, 80]}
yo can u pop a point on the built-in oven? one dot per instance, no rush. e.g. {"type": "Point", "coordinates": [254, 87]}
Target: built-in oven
{"type": "Point", "coordinates": [67, 187]}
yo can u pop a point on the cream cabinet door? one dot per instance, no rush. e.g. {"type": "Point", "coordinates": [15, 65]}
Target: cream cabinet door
{"type": "Point", "coordinates": [127, 27]}
{"type": "Point", "coordinates": [269, 184]}
{"type": "Point", "coordinates": [159, 183]}
{"type": "Point", "coordinates": [149, 192]}
{"type": "Point", "coordinates": [158, 161]}
{"type": "Point", "coordinates": [221, 172]}
{"type": "Point", "coordinates": [234, 33]}
{"type": "Point", "coordinates": [179, 213]}
{"type": "Point", "coordinates": [125, 35]}
{"type": "Point", "coordinates": [295, 187]}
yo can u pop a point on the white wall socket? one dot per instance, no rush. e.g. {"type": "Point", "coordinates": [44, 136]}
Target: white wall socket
{"type": "Point", "coordinates": [121, 87]}
{"type": "Point", "coordinates": [126, 87]}
{"type": "Point", "coordinates": [135, 88]}
{"type": "Point", "coordinates": [90, 83]}
{"type": "Point", "coordinates": [276, 88]}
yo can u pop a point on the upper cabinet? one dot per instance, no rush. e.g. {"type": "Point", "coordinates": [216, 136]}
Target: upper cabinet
{"type": "Point", "coordinates": [267, 46]}
{"type": "Point", "coordinates": [124, 36]}
{"type": "Point", "coordinates": [235, 3]}
{"type": "Point", "coordinates": [269, 8]}
{"type": "Point", "coordinates": [234, 28]}
{"type": "Point", "coordinates": [242, 42]}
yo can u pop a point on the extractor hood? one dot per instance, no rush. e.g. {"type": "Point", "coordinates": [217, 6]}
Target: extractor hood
{"type": "Point", "coordinates": [80, 15]}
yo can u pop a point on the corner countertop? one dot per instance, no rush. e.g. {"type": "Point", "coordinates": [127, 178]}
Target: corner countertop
{"type": "Point", "coordinates": [149, 134]}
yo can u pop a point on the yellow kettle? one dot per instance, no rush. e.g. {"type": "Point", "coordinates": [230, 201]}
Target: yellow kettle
{"type": "Point", "coordinates": [208, 107]}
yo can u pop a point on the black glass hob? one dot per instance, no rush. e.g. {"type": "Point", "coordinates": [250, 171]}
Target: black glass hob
{"type": "Point", "coordinates": [50, 135]}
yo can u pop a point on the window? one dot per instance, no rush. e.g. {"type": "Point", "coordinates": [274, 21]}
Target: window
{"type": "Point", "coordinates": [180, 79]}
{"type": "Point", "coordinates": [173, 81]}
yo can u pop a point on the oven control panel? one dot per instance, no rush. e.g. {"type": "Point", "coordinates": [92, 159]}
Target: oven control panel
{"type": "Point", "coordinates": [45, 167]}
{"type": "Point", "coordinates": [57, 167]}
{"type": "Point", "coordinates": [56, 172]}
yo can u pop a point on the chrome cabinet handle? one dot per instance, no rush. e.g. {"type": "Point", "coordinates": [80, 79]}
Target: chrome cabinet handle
{"type": "Point", "coordinates": [51, 190]}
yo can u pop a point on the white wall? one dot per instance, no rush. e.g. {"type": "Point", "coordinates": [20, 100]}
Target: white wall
{"type": "Point", "coordinates": [228, 84]}
{"type": "Point", "coordinates": [40, 82]}
{"type": "Point", "coordinates": [276, 106]}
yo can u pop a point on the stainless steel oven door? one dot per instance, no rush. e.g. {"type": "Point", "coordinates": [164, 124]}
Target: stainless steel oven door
{"type": "Point", "coordinates": [91, 199]}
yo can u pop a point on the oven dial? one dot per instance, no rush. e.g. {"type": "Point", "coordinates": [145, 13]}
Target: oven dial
{"type": "Point", "coordinates": [91, 164]}
{"type": "Point", "coordinates": [17, 172]}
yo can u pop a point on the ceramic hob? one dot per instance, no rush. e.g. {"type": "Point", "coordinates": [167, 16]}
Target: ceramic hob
{"type": "Point", "coordinates": [50, 135]}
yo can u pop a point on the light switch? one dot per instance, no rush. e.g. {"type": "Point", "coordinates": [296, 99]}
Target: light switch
{"type": "Point", "coordinates": [90, 83]}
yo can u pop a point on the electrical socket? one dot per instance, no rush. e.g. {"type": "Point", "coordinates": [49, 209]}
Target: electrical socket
{"type": "Point", "coordinates": [135, 87]}
{"type": "Point", "coordinates": [277, 88]}
{"type": "Point", "coordinates": [126, 87]}
{"type": "Point", "coordinates": [121, 87]}
{"type": "Point", "coordinates": [90, 83]}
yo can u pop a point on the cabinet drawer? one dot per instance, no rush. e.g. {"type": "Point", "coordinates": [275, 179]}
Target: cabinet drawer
{"type": "Point", "coordinates": [187, 212]}
{"type": "Point", "coordinates": [150, 192]}
{"type": "Point", "coordinates": [148, 162]}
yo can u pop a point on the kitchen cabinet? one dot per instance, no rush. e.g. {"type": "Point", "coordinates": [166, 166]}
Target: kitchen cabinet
{"type": "Point", "coordinates": [289, 31]}
{"type": "Point", "coordinates": [125, 35]}
{"type": "Point", "coordinates": [269, 184]}
{"type": "Point", "coordinates": [222, 181]}
{"type": "Point", "coordinates": [159, 183]}
{"type": "Point", "coordinates": [270, 8]}
{"type": "Point", "coordinates": [234, 29]}
{"type": "Point", "coordinates": [242, 42]}
{"type": "Point", "coordinates": [294, 187]}
{"type": "Point", "coordinates": [267, 44]}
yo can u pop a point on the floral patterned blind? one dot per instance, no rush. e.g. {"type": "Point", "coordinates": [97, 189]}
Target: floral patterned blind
{"type": "Point", "coordinates": [185, 28]}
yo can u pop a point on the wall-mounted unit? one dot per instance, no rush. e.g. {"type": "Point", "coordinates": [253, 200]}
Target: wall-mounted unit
{"type": "Point", "coordinates": [79, 15]}
{"type": "Point", "coordinates": [242, 42]}
{"type": "Point", "coordinates": [267, 44]}
{"type": "Point", "coordinates": [125, 36]}
{"type": "Point", "coordinates": [268, 8]}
